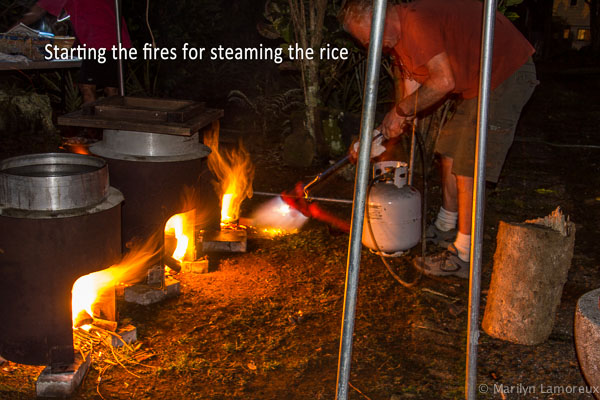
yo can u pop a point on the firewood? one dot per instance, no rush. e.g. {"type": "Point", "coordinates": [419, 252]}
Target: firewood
{"type": "Point", "coordinates": [83, 318]}
{"type": "Point", "coordinates": [105, 324]}
{"type": "Point", "coordinates": [172, 263]}
{"type": "Point", "coordinates": [531, 264]}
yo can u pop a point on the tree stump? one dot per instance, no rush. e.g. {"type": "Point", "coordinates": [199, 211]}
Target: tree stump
{"type": "Point", "coordinates": [531, 264]}
{"type": "Point", "coordinates": [587, 338]}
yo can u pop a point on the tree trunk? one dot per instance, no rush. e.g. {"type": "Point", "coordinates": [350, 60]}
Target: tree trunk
{"type": "Point", "coordinates": [312, 97]}
{"type": "Point", "coordinates": [530, 269]}
{"type": "Point", "coordinates": [308, 23]}
{"type": "Point", "coordinates": [595, 25]}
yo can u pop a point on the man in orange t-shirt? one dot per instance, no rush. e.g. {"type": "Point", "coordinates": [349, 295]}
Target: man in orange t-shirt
{"type": "Point", "coordinates": [437, 46]}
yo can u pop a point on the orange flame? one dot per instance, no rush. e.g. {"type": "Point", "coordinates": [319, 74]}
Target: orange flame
{"type": "Point", "coordinates": [77, 145]}
{"type": "Point", "coordinates": [78, 149]}
{"type": "Point", "coordinates": [234, 171]}
{"type": "Point", "coordinates": [181, 226]}
{"type": "Point", "coordinates": [94, 293]}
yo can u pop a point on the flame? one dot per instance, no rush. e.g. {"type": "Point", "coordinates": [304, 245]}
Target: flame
{"type": "Point", "coordinates": [234, 171]}
{"type": "Point", "coordinates": [77, 145]}
{"type": "Point", "coordinates": [277, 231]}
{"type": "Point", "coordinates": [182, 227]}
{"type": "Point", "coordinates": [94, 293]}
{"type": "Point", "coordinates": [77, 149]}
{"type": "Point", "coordinates": [225, 208]}
{"type": "Point", "coordinates": [276, 217]}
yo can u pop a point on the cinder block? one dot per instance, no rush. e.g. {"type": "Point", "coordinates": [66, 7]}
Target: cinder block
{"type": "Point", "coordinates": [155, 275]}
{"type": "Point", "coordinates": [62, 384]}
{"type": "Point", "coordinates": [128, 333]}
{"type": "Point", "coordinates": [172, 286]}
{"type": "Point", "coordinates": [195, 267]}
{"type": "Point", "coordinates": [225, 240]}
{"type": "Point", "coordinates": [144, 294]}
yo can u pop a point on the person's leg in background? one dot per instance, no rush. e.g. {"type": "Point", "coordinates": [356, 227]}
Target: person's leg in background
{"type": "Point", "coordinates": [111, 91]}
{"type": "Point", "coordinates": [506, 104]}
{"type": "Point", "coordinates": [449, 146]}
{"type": "Point", "coordinates": [93, 76]}
{"type": "Point", "coordinates": [457, 194]}
{"type": "Point", "coordinates": [88, 92]}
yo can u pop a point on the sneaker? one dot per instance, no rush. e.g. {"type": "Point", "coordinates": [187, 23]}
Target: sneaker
{"type": "Point", "coordinates": [441, 238]}
{"type": "Point", "coordinates": [446, 263]}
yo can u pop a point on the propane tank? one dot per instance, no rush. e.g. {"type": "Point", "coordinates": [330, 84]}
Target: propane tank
{"type": "Point", "coordinates": [393, 210]}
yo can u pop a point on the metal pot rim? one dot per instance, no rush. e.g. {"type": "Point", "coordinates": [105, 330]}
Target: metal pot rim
{"type": "Point", "coordinates": [149, 146]}
{"type": "Point", "coordinates": [71, 190]}
{"type": "Point", "coordinates": [43, 158]}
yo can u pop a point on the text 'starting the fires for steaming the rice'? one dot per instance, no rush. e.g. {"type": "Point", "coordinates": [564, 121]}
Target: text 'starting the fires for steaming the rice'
{"type": "Point", "coordinates": [187, 52]}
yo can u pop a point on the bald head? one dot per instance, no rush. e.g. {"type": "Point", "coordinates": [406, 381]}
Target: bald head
{"type": "Point", "coordinates": [356, 15]}
{"type": "Point", "coordinates": [354, 9]}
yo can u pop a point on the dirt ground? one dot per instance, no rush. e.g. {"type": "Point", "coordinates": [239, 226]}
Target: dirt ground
{"type": "Point", "coordinates": [266, 324]}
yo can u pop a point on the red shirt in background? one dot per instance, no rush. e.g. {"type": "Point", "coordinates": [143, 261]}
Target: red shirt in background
{"type": "Point", "coordinates": [429, 27]}
{"type": "Point", "coordinates": [94, 21]}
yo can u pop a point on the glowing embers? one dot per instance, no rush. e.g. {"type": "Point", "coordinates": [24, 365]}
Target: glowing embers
{"type": "Point", "coordinates": [179, 236]}
{"type": "Point", "coordinates": [76, 144]}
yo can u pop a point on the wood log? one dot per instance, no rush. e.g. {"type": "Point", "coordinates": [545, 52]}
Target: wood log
{"type": "Point", "coordinates": [587, 337]}
{"type": "Point", "coordinates": [531, 264]}
{"type": "Point", "coordinates": [105, 324]}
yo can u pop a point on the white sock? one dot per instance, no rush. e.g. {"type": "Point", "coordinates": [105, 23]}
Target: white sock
{"type": "Point", "coordinates": [446, 220]}
{"type": "Point", "coordinates": [463, 246]}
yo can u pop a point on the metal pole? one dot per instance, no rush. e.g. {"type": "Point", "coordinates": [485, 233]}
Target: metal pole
{"type": "Point", "coordinates": [309, 198]}
{"type": "Point", "coordinates": [487, 42]}
{"type": "Point", "coordinates": [119, 44]}
{"type": "Point", "coordinates": [411, 161]}
{"type": "Point", "coordinates": [360, 194]}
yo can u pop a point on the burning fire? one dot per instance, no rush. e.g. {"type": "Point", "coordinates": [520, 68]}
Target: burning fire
{"type": "Point", "coordinates": [276, 217]}
{"type": "Point", "coordinates": [226, 207]}
{"type": "Point", "coordinates": [77, 145]}
{"type": "Point", "coordinates": [234, 171]}
{"type": "Point", "coordinates": [93, 295]}
{"type": "Point", "coordinates": [181, 226]}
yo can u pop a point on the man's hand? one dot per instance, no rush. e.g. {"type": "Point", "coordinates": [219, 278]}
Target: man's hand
{"type": "Point", "coordinates": [377, 147]}
{"type": "Point", "coordinates": [393, 124]}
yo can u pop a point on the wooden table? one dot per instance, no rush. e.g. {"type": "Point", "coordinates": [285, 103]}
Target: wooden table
{"type": "Point", "coordinates": [155, 115]}
{"type": "Point", "coordinates": [39, 65]}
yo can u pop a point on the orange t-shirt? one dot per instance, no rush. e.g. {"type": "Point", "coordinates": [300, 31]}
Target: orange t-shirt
{"type": "Point", "coordinates": [429, 27]}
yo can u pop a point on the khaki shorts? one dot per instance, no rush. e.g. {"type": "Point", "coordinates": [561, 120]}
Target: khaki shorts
{"type": "Point", "coordinates": [457, 139]}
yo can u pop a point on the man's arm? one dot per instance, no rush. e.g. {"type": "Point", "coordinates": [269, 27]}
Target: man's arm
{"type": "Point", "coordinates": [434, 89]}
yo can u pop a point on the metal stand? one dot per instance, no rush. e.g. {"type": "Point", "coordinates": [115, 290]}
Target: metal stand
{"type": "Point", "coordinates": [119, 43]}
{"type": "Point", "coordinates": [360, 199]}
{"type": "Point", "coordinates": [487, 42]}
{"type": "Point", "coordinates": [360, 195]}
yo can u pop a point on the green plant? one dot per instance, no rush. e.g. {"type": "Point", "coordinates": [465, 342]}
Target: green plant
{"type": "Point", "coordinates": [503, 7]}
{"type": "Point", "coordinates": [72, 95]}
{"type": "Point", "coordinates": [301, 22]}
{"type": "Point", "coordinates": [147, 84]}
{"type": "Point", "coordinates": [11, 11]}
{"type": "Point", "coordinates": [271, 110]}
